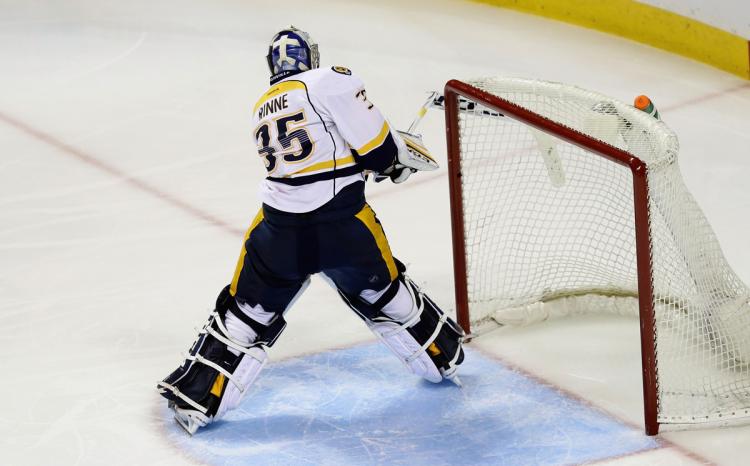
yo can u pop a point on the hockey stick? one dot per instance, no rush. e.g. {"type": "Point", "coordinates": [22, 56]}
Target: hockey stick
{"type": "Point", "coordinates": [437, 100]}
{"type": "Point", "coordinates": [430, 102]}
{"type": "Point", "coordinates": [545, 143]}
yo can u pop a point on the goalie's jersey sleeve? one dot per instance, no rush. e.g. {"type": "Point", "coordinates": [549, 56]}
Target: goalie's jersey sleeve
{"type": "Point", "coordinates": [316, 132]}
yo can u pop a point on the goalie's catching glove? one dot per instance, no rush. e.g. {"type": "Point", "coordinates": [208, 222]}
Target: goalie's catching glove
{"type": "Point", "coordinates": [412, 156]}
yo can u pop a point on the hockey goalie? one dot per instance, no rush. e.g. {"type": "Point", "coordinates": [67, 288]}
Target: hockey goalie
{"type": "Point", "coordinates": [319, 138]}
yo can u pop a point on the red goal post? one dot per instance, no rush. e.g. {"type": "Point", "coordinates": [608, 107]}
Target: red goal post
{"type": "Point", "coordinates": [571, 199]}
{"type": "Point", "coordinates": [454, 89]}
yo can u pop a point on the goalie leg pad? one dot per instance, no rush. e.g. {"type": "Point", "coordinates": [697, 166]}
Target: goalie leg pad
{"type": "Point", "coordinates": [414, 328]}
{"type": "Point", "coordinates": [217, 372]}
{"type": "Point", "coordinates": [225, 390]}
{"type": "Point", "coordinates": [444, 335]}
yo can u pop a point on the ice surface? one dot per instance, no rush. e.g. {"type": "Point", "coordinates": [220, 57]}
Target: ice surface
{"type": "Point", "coordinates": [357, 406]}
{"type": "Point", "coordinates": [127, 178]}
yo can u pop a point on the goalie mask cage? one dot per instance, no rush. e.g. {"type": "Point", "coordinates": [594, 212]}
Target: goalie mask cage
{"type": "Point", "coordinates": [572, 202]}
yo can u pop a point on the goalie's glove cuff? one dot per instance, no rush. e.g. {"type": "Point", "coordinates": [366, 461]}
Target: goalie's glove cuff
{"type": "Point", "coordinates": [396, 175]}
{"type": "Point", "coordinates": [412, 156]}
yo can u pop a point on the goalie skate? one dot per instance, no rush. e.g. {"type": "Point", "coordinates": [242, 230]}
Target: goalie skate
{"type": "Point", "coordinates": [189, 419]}
{"type": "Point", "coordinates": [452, 375]}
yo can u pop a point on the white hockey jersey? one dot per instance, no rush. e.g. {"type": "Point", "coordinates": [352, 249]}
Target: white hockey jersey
{"type": "Point", "coordinates": [311, 130]}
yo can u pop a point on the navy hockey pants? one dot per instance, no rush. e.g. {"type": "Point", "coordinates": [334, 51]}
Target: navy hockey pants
{"type": "Point", "coordinates": [343, 239]}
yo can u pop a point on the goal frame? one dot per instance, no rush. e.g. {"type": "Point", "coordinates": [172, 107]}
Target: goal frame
{"type": "Point", "coordinates": [454, 89]}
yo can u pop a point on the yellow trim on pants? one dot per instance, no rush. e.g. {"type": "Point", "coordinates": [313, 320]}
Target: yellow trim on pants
{"type": "Point", "coordinates": [367, 216]}
{"type": "Point", "coordinates": [241, 260]}
{"type": "Point", "coordinates": [647, 24]}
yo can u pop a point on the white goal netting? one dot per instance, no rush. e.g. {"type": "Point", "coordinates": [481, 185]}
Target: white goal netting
{"type": "Point", "coordinates": [550, 230]}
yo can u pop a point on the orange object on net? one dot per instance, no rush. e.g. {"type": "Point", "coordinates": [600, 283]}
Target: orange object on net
{"type": "Point", "coordinates": [642, 102]}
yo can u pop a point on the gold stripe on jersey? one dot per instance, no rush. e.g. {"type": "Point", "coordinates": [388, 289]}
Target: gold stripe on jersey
{"type": "Point", "coordinates": [279, 88]}
{"type": "Point", "coordinates": [376, 142]}
{"type": "Point", "coordinates": [241, 260]}
{"type": "Point", "coordinates": [339, 163]}
{"type": "Point", "coordinates": [367, 216]}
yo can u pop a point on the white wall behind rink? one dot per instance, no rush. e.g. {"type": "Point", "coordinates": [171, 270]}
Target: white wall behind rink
{"type": "Point", "coordinates": [729, 15]}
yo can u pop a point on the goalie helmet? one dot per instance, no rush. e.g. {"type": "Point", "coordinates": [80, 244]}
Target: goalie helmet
{"type": "Point", "coordinates": [292, 50]}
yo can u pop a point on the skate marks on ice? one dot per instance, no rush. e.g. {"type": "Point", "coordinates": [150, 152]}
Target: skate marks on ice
{"type": "Point", "coordinates": [358, 406]}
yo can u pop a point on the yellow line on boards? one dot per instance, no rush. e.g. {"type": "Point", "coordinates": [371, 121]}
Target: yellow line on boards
{"type": "Point", "coordinates": [647, 24]}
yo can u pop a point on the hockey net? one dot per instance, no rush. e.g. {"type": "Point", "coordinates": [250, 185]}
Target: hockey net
{"type": "Point", "coordinates": [574, 203]}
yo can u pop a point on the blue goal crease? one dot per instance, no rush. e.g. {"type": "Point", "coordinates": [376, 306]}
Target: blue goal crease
{"type": "Point", "coordinates": [359, 406]}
